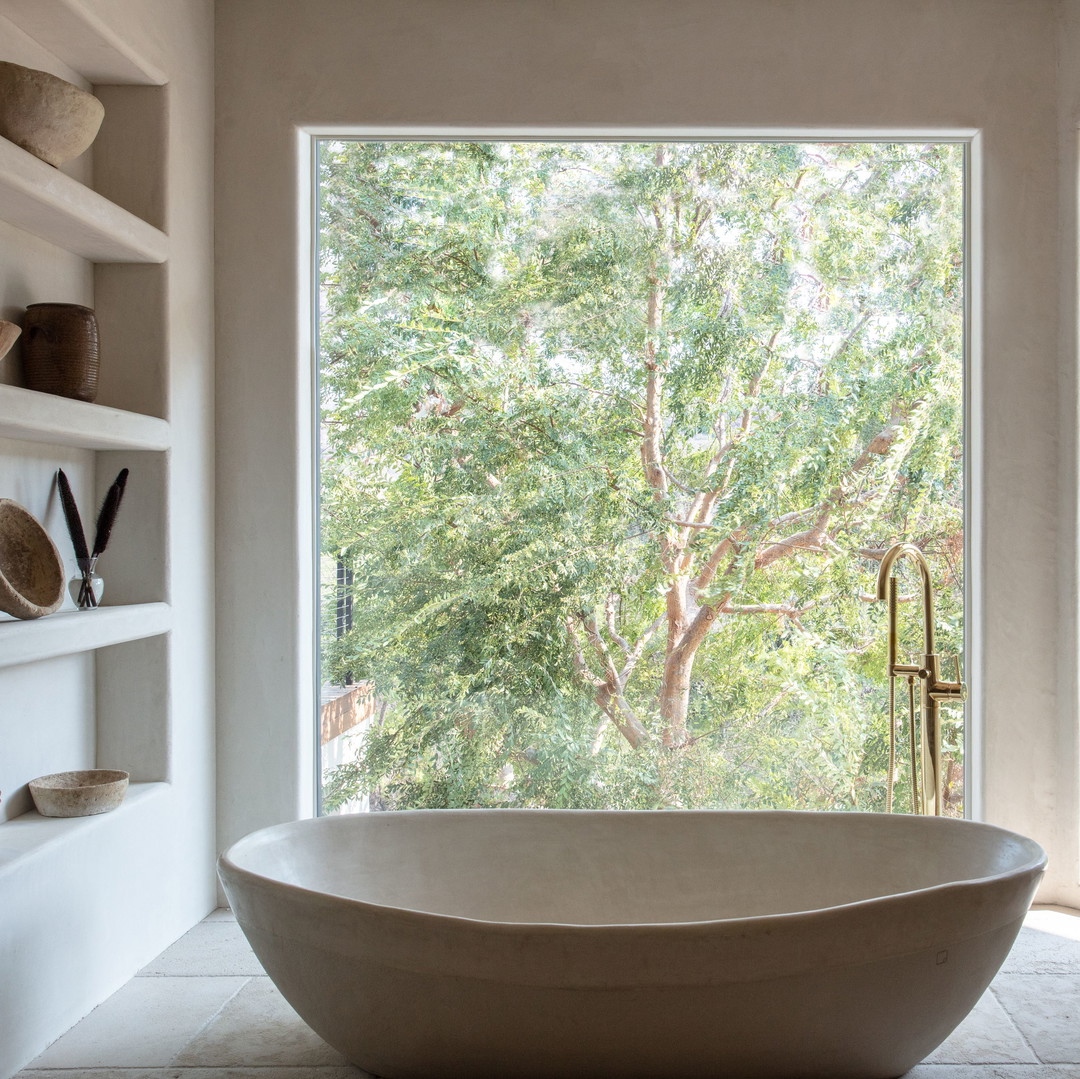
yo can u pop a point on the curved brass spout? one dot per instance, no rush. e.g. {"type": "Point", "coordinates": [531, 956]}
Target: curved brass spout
{"type": "Point", "coordinates": [892, 556]}
{"type": "Point", "coordinates": [934, 689]}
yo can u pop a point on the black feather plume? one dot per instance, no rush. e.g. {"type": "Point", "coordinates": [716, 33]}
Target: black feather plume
{"type": "Point", "coordinates": [74, 521]}
{"type": "Point", "coordinates": [109, 509]}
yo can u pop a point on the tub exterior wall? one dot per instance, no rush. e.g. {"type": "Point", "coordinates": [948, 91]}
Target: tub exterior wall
{"type": "Point", "coordinates": [486, 972]}
{"type": "Point", "coordinates": [1001, 68]}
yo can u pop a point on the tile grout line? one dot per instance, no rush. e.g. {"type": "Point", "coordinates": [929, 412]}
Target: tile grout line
{"type": "Point", "coordinates": [232, 996]}
{"type": "Point", "coordinates": [158, 977]}
{"type": "Point", "coordinates": [1008, 1015]}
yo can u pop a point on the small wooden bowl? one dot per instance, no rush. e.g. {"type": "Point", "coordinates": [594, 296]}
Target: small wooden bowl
{"type": "Point", "coordinates": [79, 794]}
{"type": "Point", "coordinates": [48, 116]}
{"type": "Point", "coordinates": [31, 569]}
{"type": "Point", "coordinates": [9, 334]}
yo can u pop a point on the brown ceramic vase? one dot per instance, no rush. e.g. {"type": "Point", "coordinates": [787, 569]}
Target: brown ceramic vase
{"type": "Point", "coordinates": [60, 350]}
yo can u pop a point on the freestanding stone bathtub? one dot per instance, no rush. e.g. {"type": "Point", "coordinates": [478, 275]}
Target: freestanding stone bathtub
{"type": "Point", "coordinates": [537, 944]}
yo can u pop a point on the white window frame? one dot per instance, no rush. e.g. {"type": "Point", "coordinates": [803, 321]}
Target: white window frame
{"type": "Point", "coordinates": [307, 138]}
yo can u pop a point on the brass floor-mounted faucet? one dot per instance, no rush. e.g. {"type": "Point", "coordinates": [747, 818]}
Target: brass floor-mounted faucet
{"type": "Point", "coordinates": [926, 793]}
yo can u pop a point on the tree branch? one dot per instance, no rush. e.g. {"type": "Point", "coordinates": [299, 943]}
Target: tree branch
{"type": "Point", "coordinates": [610, 696]}
{"type": "Point", "coordinates": [697, 630]}
{"type": "Point", "coordinates": [816, 538]}
{"type": "Point", "coordinates": [638, 650]}
{"type": "Point", "coordinates": [810, 539]}
{"type": "Point", "coordinates": [785, 610]}
{"type": "Point", "coordinates": [609, 615]}
{"type": "Point", "coordinates": [580, 664]}
{"type": "Point", "coordinates": [687, 524]}
{"type": "Point", "coordinates": [727, 546]}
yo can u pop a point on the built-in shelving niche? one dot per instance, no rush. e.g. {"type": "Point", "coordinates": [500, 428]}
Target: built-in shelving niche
{"type": "Point", "coordinates": [123, 680]}
{"type": "Point", "coordinates": [90, 689]}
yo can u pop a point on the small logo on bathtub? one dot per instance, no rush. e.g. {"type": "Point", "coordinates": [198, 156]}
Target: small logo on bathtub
{"type": "Point", "coordinates": [942, 957]}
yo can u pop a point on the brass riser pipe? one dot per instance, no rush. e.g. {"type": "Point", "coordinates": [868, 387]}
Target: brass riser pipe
{"type": "Point", "coordinates": [933, 689]}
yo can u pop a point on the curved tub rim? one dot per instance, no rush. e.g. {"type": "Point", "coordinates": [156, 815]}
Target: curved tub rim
{"type": "Point", "coordinates": [1035, 865]}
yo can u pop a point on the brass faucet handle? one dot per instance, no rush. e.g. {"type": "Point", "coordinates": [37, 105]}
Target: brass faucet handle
{"type": "Point", "coordinates": [914, 665]}
{"type": "Point", "coordinates": [956, 690]}
{"type": "Point", "coordinates": [956, 664]}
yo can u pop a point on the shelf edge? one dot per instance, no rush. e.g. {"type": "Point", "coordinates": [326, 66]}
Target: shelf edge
{"type": "Point", "coordinates": [31, 835]}
{"type": "Point", "coordinates": [84, 41]}
{"type": "Point", "coordinates": [72, 632]}
{"type": "Point", "coordinates": [60, 421]}
{"type": "Point", "coordinates": [49, 204]}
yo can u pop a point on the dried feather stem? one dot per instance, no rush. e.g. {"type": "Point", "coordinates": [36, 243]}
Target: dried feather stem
{"type": "Point", "coordinates": [109, 509]}
{"type": "Point", "coordinates": [74, 521]}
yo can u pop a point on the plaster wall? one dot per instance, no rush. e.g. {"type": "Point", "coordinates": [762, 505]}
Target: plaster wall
{"type": "Point", "coordinates": [989, 67]}
{"type": "Point", "coordinates": [33, 726]}
{"type": "Point", "coordinates": [84, 911]}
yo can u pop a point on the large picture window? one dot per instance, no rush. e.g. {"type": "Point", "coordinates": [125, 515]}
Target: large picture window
{"type": "Point", "coordinates": [613, 438]}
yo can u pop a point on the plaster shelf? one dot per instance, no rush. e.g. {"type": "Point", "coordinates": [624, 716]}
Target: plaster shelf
{"type": "Point", "coordinates": [80, 631]}
{"type": "Point", "coordinates": [70, 30]}
{"type": "Point", "coordinates": [60, 421]}
{"type": "Point", "coordinates": [31, 834]}
{"type": "Point", "coordinates": [43, 201]}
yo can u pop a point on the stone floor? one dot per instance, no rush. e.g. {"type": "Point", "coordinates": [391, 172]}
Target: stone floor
{"type": "Point", "coordinates": [205, 1008]}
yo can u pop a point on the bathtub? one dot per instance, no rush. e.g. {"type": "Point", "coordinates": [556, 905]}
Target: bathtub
{"type": "Point", "coordinates": [538, 944]}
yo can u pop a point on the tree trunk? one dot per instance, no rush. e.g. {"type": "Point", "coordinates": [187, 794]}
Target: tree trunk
{"type": "Point", "coordinates": [675, 697]}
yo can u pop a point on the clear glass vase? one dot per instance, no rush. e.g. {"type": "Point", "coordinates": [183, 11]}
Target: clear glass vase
{"type": "Point", "coordinates": [86, 589]}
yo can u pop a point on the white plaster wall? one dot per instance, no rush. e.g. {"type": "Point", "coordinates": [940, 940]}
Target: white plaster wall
{"type": "Point", "coordinates": [36, 727]}
{"type": "Point", "coordinates": [991, 66]}
{"type": "Point", "coordinates": [1067, 808]}
{"type": "Point", "coordinates": [85, 911]}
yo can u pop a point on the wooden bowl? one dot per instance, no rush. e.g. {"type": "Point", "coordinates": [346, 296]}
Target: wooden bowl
{"type": "Point", "coordinates": [51, 118]}
{"type": "Point", "coordinates": [79, 794]}
{"type": "Point", "coordinates": [31, 569]}
{"type": "Point", "coordinates": [9, 334]}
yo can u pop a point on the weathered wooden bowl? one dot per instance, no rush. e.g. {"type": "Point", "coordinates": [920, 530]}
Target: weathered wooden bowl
{"type": "Point", "coordinates": [9, 334]}
{"type": "Point", "coordinates": [31, 569]}
{"type": "Point", "coordinates": [79, 794]}
{"type": "Point", "coordinates": [51, 118]}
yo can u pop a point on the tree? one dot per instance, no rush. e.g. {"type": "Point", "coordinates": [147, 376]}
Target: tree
{"type": "Point", "coordinates": [614, 435]}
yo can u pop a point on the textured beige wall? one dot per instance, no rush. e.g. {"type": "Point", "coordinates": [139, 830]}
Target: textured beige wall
{"type": "Point", "coordinates": [982, 65]}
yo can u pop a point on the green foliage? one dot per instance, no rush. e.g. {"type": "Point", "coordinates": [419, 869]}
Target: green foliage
{"type": "Point", "coordinates": [487, 360]}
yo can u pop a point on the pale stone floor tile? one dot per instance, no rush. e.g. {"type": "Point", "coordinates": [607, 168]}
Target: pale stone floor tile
{"type": "Point", "coordinates": [346, 1071]}
{"type": "Point", "coordinates": [258, 1026]}
{"type": "Point", "coordinates": [992, 1071]}
{"type": "Point", "coordinates": [97, 1073]}
{"type": "Point", "coordinates": [144, 1024]}
{"type": "Point", "coordinates": [305, 1071]}
{"type": "Point", "coordinates": [222, 914]}
{"type": "Point", "coordinates": [214, 948]}
{"type": "Point", "coordinates": [1046, 1008]}
{"type": "Point", "coordinates": [1049, 943]}
{"type": "Point", "coordinates": [986, 1036]}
